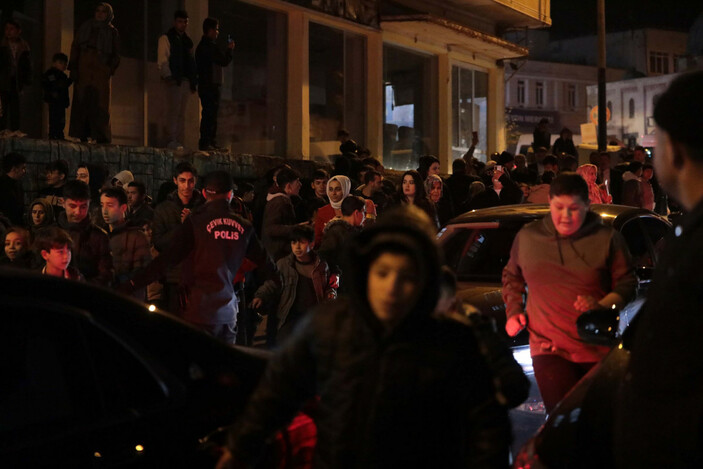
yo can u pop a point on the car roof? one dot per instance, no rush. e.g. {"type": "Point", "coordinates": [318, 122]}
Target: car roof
{"type": "Point", "coordinates": [527, 212]}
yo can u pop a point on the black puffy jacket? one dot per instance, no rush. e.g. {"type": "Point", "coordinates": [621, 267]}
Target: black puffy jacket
{"type": "Point", "coordinates": [418, 396]}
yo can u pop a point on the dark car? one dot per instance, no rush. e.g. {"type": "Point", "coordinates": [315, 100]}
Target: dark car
{"type": "Point", "coordinates": [94, 379]}
{"type": "Point", "coordinates": [477, 247]}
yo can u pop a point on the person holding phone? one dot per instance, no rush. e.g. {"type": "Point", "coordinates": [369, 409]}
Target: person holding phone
{"type": "Point", "coordinates": [210, 60]}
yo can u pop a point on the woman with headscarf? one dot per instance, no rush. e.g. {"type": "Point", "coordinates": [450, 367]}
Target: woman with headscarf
{"type": "Point", "coordinates": [40, 215]}
{"type": "Point", "coordinates": [411, 191]}
{"type": "Point", "coordinates": [596, 194]}
{"type": "Point", "coordinates": [94, 59]}
{"type": "Point", "coordinates": [434, 187]}
{"type": "Point", "coordinates": [338, 187]}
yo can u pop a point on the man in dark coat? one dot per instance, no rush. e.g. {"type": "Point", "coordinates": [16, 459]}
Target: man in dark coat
{"type": "Point", "coordinates": [458, 185]}
{"type": "Point", "coordinates": [395, 385]}
{"type": "Point", "coordinates": [14, 167]}
{"type": "Point", "coordinates": [210, 60]}
{"type": "Point", "coordinates": [15, 72]}
{"type": "Point", "coordinates": [279, 214]}
{"type": "Point", "coordinates": [658, 413]}
{"type": "Point", "coordinates": [91, 245]}
{"type": "Point", "coordinates": [169, 215]}
{"type": "Point", "coordinates": [212, 243]}
{"type": "Point", "coordinates": [178, 74]}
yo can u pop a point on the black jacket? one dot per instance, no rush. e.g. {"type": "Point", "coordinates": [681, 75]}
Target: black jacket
{"type": "Point", "coordinates": [12, 199]}
{"type": "Point", "coordinates": [418, 396]}
{"type": "Point", "coordinates": [55, 84]}
{"type": "Point", "coordinates": [666, 361]}
{"type": "Point", "coordinates": [210, 59]}
{"type": "Point", "coordinates": [211, 243]}
{"type": "Point", "coordinates": [91, 250]}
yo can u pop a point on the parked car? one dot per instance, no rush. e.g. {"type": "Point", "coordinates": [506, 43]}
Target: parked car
{"type": "Point", "coordinates": [94, 379]}
{"type": "Point", "coordinates": [477, 247]}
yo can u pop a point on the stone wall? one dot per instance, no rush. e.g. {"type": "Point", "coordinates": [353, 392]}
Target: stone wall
{"type": "Point", "coordinates": [153, 166]}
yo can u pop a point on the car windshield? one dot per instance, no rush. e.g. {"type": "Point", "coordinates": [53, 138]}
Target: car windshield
{"type": "Point", "coordinates": [479, 255]}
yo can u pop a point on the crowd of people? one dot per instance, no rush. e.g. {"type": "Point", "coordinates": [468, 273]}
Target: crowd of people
{"type": "Point", "coordinates": [94, 58]}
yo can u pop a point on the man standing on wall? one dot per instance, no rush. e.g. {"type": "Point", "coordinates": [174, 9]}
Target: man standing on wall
{"type": "Point", "coordinates": [210, 60]}
{"type": "Point", "coordinates": [178, 74]}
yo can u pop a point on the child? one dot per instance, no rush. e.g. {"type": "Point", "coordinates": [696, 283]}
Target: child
{"type": "Point", "coordinates": [56, 83]}
{"type": "Point", "coordinates": [16, 244]}
{"type": "Point", "coordinates": [305, 279]}
{"type": "Point", "coordinates": [54, 246]}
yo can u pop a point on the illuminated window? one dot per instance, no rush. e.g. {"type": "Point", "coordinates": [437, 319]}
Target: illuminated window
{"type": "Point", "coordinates": [571, 96]}
{"type": "Point", "coordinates": [539, 94]}
{"type": "Point", "coordinates": [658, 62]}
{"type": "Point", "coordinates": [521, 92]}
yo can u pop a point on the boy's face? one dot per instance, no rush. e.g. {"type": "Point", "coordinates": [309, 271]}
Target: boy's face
{"type": "Point", "coordinates": [54, 178]}
{"type": "Point", "coordinates": [133, 196]}
{"type": "Point", "coordinates": [82, 174]}
{"type": "Point", "coordinates": [111, 210]}
{"type": "Point", "coordinates": [76, 210]}
{"type": "Point", "coordinates": [392, 287]}
{"type": "Point", "coordinates": [12, 32]}
{"type": "Point", "coordinates": [57, 258]}
{"type": "Point", "coordinates": [38, 214]}
{"type": "Point", "coordinates": [320, 187]}
{"type": "Point", "coordinates": [59, 65]}
{"type": "Point", "coordinates": [14, 246]}
{"type": "Point", "coordinates": [186, 184]}
{"type": "Point", "coordinates": [568, 213]}
{"type": "Point", "coordinates": [180, 25]}
{"type": "Point", "coordinates": [647, 174]}
{"type": "Point", "coordinates": [300, 248]}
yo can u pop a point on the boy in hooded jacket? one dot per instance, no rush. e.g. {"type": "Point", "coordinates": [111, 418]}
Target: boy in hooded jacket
{"type": "Point", "coordinates": [397, 386]}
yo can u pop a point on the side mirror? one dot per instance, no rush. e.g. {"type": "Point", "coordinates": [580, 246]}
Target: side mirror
{"type": "Point", "coordinates": [599, 326]}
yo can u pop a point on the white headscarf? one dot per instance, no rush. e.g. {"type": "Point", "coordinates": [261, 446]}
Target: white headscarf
{"type": "Point", "coordinates": [346, 188]}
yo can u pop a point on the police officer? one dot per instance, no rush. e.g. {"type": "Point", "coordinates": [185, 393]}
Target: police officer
{"type": "Point", "coordinates": [212, 244]}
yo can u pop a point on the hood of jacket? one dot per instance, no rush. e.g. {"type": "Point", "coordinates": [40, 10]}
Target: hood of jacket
{"type": "Point", "coordinates": [404, 229]}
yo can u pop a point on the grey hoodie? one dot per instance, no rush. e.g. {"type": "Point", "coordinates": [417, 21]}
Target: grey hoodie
{"type": "Point", "coordinates": [593, 261]}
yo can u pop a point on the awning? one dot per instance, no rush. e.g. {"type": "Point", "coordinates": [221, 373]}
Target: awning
{"type": "Point", "coordinates": [451, 35]}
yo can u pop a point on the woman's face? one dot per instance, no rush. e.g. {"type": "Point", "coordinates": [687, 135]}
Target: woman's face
{"type": "Point", "coordinates": [436, 191]}
{"type": "Point", "coordinates": [101, 13]}
{"type": "Point", "coordinates": [38, 214]}
{"type": "Point", "coordinates": [590, 175]}
{"type": "Point", "coordinates": [408, 186]}
{"type": "Point", "coordinates": [334, 191]}
{"type": "Point", "coordinates": [82, 174]}
{"type": "Point", "coordinates": [392, 287]}
{"type": "Point", "coordinates": [434, 169]}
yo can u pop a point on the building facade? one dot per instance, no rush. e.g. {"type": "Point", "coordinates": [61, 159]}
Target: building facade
{"type": "Point", "coordinates": [555, 91]}
{"type": "Point", "coordinates": [403, 78]}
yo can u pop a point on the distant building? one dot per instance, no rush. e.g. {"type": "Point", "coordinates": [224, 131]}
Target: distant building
{"type": "Point", "coordinates": [642, 52]}
{"type": "Point", "coordinates": [556, 91]}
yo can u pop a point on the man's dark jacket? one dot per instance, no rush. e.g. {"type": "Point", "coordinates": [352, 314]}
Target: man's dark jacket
{"type": "Point", "coordinates": [91, 250]}
{"type": "Point", "coordinates": [210, 59]}
{"type": "Point", "coordinates": [664, 375]}
{"type": "Point", "coordinates": [211, 243]}
{"type": "Point", "coordinates": [278, 222]}
{"type": "Point", "coordinates": [181, 61]}
{"type": "Point", "coordinates": [142, 215]}
{"type": "Point", "coordinates": [167, 219]}
{"type": "Point", "coordinates": [418, 396]}
{"type": "Point", "coordinates": [12, 199]}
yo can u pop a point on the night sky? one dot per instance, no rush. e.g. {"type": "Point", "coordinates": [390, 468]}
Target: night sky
{"type": "Point", "coordinates": [568, 15]}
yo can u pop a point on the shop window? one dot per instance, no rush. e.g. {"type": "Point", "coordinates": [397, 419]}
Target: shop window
{"type": "Point", "coordinates": [469, 110]}
{"type": "Point", "coordinates": [409, 109]}
{"type": "Point", "coordinates": [252, 115]}
{"type": "Point", "coordinates": [337, 88]}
